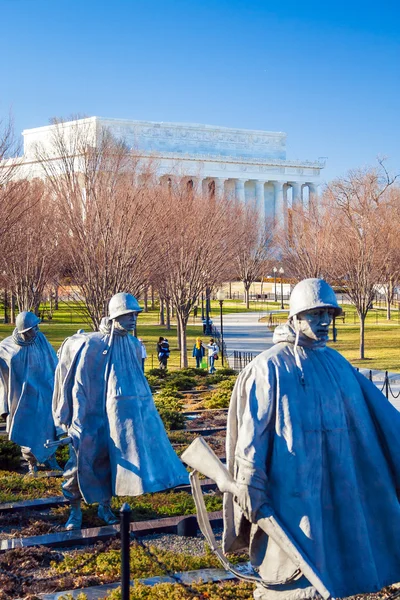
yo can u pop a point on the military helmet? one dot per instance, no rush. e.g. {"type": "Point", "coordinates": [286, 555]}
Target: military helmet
{"type": "Point", "coordinates": [312, 293]}
{"type": "Point", "coordinates": [26, 321]}
{"type": "Point", "coordinates": [122, 304]}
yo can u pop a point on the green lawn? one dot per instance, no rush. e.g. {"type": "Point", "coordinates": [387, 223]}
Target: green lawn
{"type": "Point", "coordinates": [382, 340]}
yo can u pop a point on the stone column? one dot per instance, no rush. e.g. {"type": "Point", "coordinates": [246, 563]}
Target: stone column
{"type": "Point", "coordinates": [312, 193]}
{"type": "Point", "coordinates": [280, 209]}
{"type": "Point", "coordinates": [198, 185]}
{"type": "Point", "coordinates": [260, 201]}
{"type": "Point", "coordinates": [239, 190]}
{"type": "Point", "coordinates": [296, 194]}
{"type": "Point", "coordinates": [219, 187]}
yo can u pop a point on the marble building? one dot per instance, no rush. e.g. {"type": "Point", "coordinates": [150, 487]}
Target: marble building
{"type": "Point", "coordinates": [248, 163]}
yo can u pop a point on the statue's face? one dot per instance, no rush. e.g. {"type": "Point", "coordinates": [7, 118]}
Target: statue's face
{"type": "Point", "coordinates": [128, 321]}
{"type": "Point", "coordinates": [30, 334]}
{"type": "Point", "coordinates": [315, 323]}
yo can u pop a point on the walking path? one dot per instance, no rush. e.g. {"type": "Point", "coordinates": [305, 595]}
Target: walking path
{"type": "Point", "coordinates": [243, 332]}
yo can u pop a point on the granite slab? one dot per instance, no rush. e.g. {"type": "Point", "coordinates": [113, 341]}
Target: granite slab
{"type": "Point", "coordinates": [188, 577]}
{"type": "Point", "coordinates": [85, 537]}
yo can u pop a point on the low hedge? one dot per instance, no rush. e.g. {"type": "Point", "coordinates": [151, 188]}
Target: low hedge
{"type": "Point", "coordinates": [10, 455]}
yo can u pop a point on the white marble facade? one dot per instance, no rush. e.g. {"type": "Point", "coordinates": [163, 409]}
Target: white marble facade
{"type": "Point", "coordinates": [250, 164]}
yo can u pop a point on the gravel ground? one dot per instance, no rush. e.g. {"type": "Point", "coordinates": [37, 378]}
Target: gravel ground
{"type": "Point", "coordinates": [194, 546]}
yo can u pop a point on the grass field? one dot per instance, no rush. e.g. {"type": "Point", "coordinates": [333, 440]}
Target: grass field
{"type": "Point", "coordinates": [382, 337]}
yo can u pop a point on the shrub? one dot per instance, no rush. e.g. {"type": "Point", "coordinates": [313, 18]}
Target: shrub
{"type": "Point", "coordinates": [152, 381]}
{"type": "Point", "coordinates": [226, 590]}
{"type": "Point", "coordinates": [222, 396]}
{"type": "Point", "coordinates": [62, 455]}
{"type": "Point", "coordinates": [220, 375]}
{"type": "Point", "coordinates": [170, 390]}
{"type": "Point", "coordinates": [180, 382]}
{"type": "Point", "coordinates": [10, 455]}
{"type": "Point", "coordinates": [227, 372]}
{"type": "Point", "coordinates": [169, 401]}
{"type": "Point", "coordinates": [218, 400]}
{"type": "Point", "coordinates": [192, 372]}
{"type": "Point", "coordinates": [227, 384]}
{"type": "Point", "coordinates": [159, 373]}
{"type": "Point", "coordinates": [170, 411]}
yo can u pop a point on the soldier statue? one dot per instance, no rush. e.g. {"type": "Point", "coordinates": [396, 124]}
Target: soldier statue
{"type": "Point", "coordinates": [317, 443]}
{"type": "Point", "coordinates": [27, 366]}
{"type": "Point", "coordinates": [102, 400]}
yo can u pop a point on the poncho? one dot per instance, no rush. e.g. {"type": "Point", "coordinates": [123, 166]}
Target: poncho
{"type": "Point", "coordinates": [106, 405]}
{"type": "Point", "coordinates": [324, 442]}
{"type": "Point", "coordinates": [26, 389]}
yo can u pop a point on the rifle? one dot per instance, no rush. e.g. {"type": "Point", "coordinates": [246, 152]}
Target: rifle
{"type": "Point", "coordinates": [62, 442]}
{"type": "Point", "coordinates": [200, 456]}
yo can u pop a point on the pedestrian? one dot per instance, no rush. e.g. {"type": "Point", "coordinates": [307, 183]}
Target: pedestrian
{"type": "Point", "coordinates": [163, 352]}
{"type": "Point", "coordinates": [195, 311]}
{"type": "Point", "coordinates": [212, 355]}
{"type": "Point", "coordinates": [317, 444]}
{"type": "Point", "coordinates": [144, 353]}
{"type": "Point", "coordinates": [27, 366]}
{"type": "Point", "coordinates": [119, 446]}
{"type": "Point", "coordinates": [198, 352]}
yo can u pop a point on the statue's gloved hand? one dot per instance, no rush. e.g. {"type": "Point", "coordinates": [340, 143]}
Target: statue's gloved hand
{"type": "Point", "coordinates": [252, 486]}
{"type": "Point", "coordinates": [250, 500]}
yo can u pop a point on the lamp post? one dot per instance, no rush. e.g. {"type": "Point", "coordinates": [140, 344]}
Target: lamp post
{"type": "Point", "coordinates": [220, 298]}
{"type": "Point", "coordinates": [281, 272]}
{"type": "Point", "coordinates": [275, 270]}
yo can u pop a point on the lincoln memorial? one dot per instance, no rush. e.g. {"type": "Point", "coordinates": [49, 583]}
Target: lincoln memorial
{"type": "Point", "coordinates": [251, 164]}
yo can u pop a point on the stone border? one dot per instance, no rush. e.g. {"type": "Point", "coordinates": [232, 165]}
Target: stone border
{"type": "Point", "coordinates": [85, 537]}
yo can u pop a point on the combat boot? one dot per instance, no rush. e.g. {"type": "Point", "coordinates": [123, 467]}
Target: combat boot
{"type": "Point", "coordinates": [32, 469]}
{"type": "Point", "coordinates": [75, 516]}
{"type": "Point", "coordinates": [106, 514]}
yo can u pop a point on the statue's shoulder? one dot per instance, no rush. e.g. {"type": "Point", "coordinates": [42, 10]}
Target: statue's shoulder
{"type": "Point", "coordinates": [8, 348]}
{"type": "Point", "coordinates": [75, 343]}
{"type": "Point", "coordinates": [265, 364]}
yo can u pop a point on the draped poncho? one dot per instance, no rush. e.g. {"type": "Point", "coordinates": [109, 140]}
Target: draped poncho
{"type": "Point", "coordinates": [324, 443]}
{"type": "Point", "coordinates": [26, 389]}
{"type": "Point", "coordinates": [104, 402]}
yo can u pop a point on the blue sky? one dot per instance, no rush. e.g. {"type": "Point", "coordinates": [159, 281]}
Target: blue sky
{"type": "Point", "coordinates": [326, 73]}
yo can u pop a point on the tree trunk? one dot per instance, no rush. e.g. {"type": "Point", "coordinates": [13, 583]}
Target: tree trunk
{"type": "Point", "coordinates": [168, 313]}
{"type": "Point", "coordinates": [362, 336]}
{"type": "Point", "coordinates": [5, 306]}
{"type": "Point", "coordinates": [247, 296]}
{"type": "Point", "coordinates": [152, 297]}
{"type": "Point", "coordinates": [146, 300]}
{"type": "Point", "coordinates": [56, 297]}
{"type": "Point", "coordinates": [12, 312]}
{"type": "Point", "coordinates": [182, 322]}
{"type": "Point", "coordinates": [178, 334]}
{"type": "Point", "coordinates": [162, 320]}
{"type": "Point", "coordinates": [230, 291]}
{"type": "Point", "coordinates": [389, 297]}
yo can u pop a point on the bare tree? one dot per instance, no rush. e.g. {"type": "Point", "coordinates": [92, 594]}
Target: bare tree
{"type": "Point", "coordinates": [195, 246]}
{"type": "Point", "coordinates": [106, 202]}
{"type": "Point", "coordinates": [390, 226]}
{"type": "Point", "coordinates": [13, 188]}
{"type": "Point", "coordinates": [303, 246]}
{"type": "Point", "coordinates": [355, 206]}
{"type": "Point", "coordinates": [31, 249]}
{"type": "Point", "coordinates": [253, 247]}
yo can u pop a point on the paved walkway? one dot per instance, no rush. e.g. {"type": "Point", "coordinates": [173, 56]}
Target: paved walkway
{"type": "Point", "coordinates": [245, 333]}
